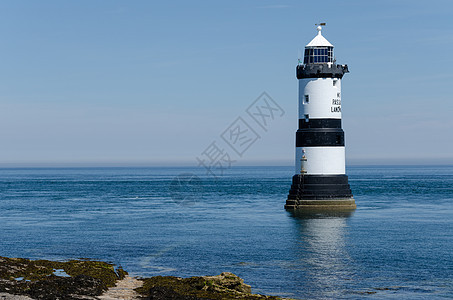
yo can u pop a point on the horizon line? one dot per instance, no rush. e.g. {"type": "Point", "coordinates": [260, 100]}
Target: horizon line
{"type": "Point", "coordinates": [82, 165]}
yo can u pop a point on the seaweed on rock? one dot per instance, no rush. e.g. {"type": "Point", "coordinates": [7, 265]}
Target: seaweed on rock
{"type": "Point", "coordinates": [223, 286]}
{"type": "Point", "coordinates": [37, 279]}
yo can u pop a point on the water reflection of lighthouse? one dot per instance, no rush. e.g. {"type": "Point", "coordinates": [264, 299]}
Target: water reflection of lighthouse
{"type": "Point", "coordinates": [322, 256]}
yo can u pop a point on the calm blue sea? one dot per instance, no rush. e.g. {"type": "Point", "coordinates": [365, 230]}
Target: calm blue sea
{"type": "Point", "coordinates": [178, 221]}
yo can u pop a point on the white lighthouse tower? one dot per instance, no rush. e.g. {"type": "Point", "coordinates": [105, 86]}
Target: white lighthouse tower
{"type": "Point", "coordinates": [320, 180]}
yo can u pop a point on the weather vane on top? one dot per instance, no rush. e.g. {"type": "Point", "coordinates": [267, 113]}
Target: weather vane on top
{"type": "Point", "coordinates": [321, 24]}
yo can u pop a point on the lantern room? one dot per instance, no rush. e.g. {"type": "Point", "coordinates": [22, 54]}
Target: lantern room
{"type": "Point", "coordinates": [319, 50]}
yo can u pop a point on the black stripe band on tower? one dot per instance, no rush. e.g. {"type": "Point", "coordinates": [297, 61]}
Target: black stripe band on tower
{"type": "Point", "coordinates": [319, 187]}
{"type": "Point", "coordinates": [319, 123]}
{"type": "Point", "coordinates": [320, 138]}
{"type": "Point", "coordinates": [322, 179]}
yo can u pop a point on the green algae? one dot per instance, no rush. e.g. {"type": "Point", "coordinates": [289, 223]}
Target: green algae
{"type": "Point", "coordinates": [224, 286]}
{"type": "Point", "coordinates": [96, 269]}
{"type": "Point", "coordinates": [36, 278]}
{"type": "Point", "coordinates": [34, 270]}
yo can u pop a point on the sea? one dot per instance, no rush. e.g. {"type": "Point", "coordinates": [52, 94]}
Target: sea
{"type": "Point", "coordinates": [397, 244]}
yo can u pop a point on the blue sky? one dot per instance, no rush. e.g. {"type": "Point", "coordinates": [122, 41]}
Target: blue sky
{"type": "Point", "coordinates": [154, 83]}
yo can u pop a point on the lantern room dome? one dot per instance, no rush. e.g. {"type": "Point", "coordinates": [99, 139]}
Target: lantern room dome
{"type": "Point", "coordinates": [319, 40]}
{"type": "Point", "coordinates": [319, 50]}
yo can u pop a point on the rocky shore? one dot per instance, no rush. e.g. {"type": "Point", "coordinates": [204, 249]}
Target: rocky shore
{"type": "Point", "coordinates": [85, 279]}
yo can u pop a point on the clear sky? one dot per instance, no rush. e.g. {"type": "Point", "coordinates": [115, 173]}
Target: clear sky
{"type": "Point", "coordinates": [156, 82]}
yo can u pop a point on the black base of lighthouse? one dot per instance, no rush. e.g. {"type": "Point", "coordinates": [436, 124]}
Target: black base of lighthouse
{"type": "Point", "coordinates": [320, 191]}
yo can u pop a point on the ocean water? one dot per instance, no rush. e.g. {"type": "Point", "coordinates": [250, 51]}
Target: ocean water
{"type": "Point", "coordinates": [398, 244]}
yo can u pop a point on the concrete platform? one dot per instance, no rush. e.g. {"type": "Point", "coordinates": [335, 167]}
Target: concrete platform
{"type": "Point", "coordinates": [331, 204]}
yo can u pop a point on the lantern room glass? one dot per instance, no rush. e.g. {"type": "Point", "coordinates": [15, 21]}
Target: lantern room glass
{"type": "Point", "coordinates": [318, 55]}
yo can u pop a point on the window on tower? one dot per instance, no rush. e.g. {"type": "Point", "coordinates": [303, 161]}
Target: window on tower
{"type": "Point", "coordinates": [318, 55]}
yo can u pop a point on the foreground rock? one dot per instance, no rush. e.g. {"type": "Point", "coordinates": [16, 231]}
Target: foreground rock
{"type": "Point", "coordinates": [6, 296]}
{"type": "Point", "coordinates": [223, 286]}
{"type": "Point", "coordinates": [44, 279]}
{"type": "Point", "coordinates": [25, 279]}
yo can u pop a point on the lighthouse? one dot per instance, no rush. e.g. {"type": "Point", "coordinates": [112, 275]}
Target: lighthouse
{"type": "Point", "coordinates": [320, 180]}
